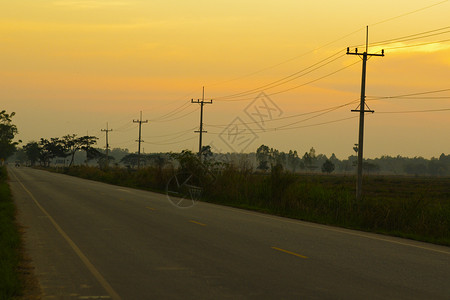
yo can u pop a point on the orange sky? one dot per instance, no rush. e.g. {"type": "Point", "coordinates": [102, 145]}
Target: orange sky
{"type": "Point", "coordinates": [71, 66]}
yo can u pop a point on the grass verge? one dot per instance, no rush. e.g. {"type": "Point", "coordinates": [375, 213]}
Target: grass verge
{"type": "Point", "coordinates": [10, 244]}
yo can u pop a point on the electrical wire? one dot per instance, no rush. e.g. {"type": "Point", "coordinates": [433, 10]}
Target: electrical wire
{"type": "Point", "coordinates": [409, 13]}
{"type": "Point", "coordinates": [172, 112]}
{"type": "Point", "coordinates": [170, 134]}
{"type": "Point", "coordinates": [413, 111]}
{"type": "Point", "coordinates": [406, 95]}
{"type": "Point", "coordinates": [177, 118]}
{"type": "Point", "coordinates": [412, 36]}
{"type": "Point", "coordinates": [329, 109]}
{"type": "Point", "coordinates": [288, 60]}
{"type": "Point", "coordinates": [418, 45]}
{"type": "Point", "coordinates": [162, 144]}
{"type": "Point", "coordinates": [265, 130]}
{"type": "Point", "coordinates": [286, 79]}
{"type": "Point", "coordinates": [298, 86]}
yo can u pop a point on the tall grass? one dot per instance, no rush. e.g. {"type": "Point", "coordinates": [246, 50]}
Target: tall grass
{"type": "Point", "coordinates": [10, 283]}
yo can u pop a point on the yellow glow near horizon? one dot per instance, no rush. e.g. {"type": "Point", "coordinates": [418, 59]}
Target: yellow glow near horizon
{"type": "Point", "coordinates": [62, 56]}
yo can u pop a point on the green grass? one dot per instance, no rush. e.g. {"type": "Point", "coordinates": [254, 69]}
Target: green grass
{"type": "Point", "coordinates": [10, 282]}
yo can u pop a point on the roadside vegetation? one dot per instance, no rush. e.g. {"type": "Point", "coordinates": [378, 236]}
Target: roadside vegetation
{"type": "Point", "coordinates": [10, 281]}
{"type": "Point", "coordinates": [411, 207]}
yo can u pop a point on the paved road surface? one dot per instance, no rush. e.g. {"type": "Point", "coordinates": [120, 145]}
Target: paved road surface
{"type": "Point", "coordinates": [90, 240]}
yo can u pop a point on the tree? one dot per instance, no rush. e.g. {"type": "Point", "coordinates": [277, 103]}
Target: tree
{"type": "Point", "coordinates": [50, 149]}
{"type": "Point", "coordinates": [293, 160]}
{"type": "Point", "coordinates": [327, 166]}
{"type": "Point", "coordinates": [7, 133]}
{"type": "Point", "coordinates": [72, 144]}
{"type": "Point", "coordinates": [206, 152]}
{"type": "Point", "coordinates": [32, 151]}
{"type": "Point", "coordinates": [263, 156]}
{"type": "Point", "coordinates": [130, 160]}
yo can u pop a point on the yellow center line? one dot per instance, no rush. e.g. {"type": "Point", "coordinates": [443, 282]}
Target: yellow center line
{"type": "Point", "coordinates": [198, 223]}
{"type": "Point", "coordinates": [289, 252]}
{"type": "Point", "coordinates": [151, 208]}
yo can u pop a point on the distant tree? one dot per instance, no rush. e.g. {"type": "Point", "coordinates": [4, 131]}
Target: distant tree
{"type": "Point", "coordinates": [130, 160]}
{"type": "Point", "coordinates": [93, 153]}
{"type": "Point", "coordinates": [370, 167]}
{"type": "Point", "coordinates": [293, 160]}
{"type": "Point", "coordinates": [50, 149]}
{"type": "Point", "coordinates": [206, 153]}
{"type": "Point", "coordinates": [7, 133]}
{"type": "Point", "coordinates": [263, 157]}
{"type": "Point", "coordinates": [104, 161]}
{"type": "Point", "coordinates": [309, 159]}
{"type": "Point", "coordinates": [119, 153]}
{"type": "Point", "coordinates": [32, 151]}
{"type": "Point", "coordinates": [72, 144]}
{"type": "Point", "coordinates": [327, 166]}
{"type": "Point", "coordinates": [20, 156]}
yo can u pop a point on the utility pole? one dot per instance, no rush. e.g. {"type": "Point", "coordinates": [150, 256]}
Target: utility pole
{"type": "Point", "coordinates": [362, 109]}
{"type": "Point", "coordinates": [107, 145]}
{"type": "Point", "coordinates": [201, 119]}
{"type": "Point", "coordinates": [139, 140]}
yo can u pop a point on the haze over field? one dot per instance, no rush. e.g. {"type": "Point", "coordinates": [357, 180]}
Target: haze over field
{"type": "Point", "coordinates": [71, 66]}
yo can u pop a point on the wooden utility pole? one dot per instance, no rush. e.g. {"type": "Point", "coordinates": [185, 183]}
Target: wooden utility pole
{"type": "Point", "coordinates": [139, 140]}
{"type": "Point", "coordinates": [202, 102]}
{"type": "Point", "coordinates": [362, 109]}
{"type": "Point", "coordinates": [107, 145]}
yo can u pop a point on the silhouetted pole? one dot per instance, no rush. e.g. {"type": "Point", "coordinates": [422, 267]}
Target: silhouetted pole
{"type": "Point", "coordinates": [139, 140]}
{"type": "Point", "coordinates": [107, 145]}
{"type": "Point", "coordinates": [362, 110]}
{"type": "Point", "coordinates": [201, 119]}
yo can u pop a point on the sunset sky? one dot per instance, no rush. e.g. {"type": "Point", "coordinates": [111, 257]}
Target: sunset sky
{"type": "Point", "coordinates": [71, 67]}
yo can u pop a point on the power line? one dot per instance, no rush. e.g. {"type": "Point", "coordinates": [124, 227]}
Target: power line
{"type": "Point", "coordinates": [301, 85]}
{"type": "Point", "coordinates": [418, 45]}
{"type": "Point", "coordinates": [413, 36]}
{"type": "Point", "coordinates": [172, 112]}
{"type": "Point", "coordinates": [170, 134]}
{"type": "Point", "coordinates": [329, 109]}
{"type": "Point", "coordinates": [409, 13]}
{"type": "Point", "coordinates": [413, 111]}
{"type": "Point", "coordinates": [408, 95]}
{"type": "Point", "coordinates": [275, 129]}
{"type": "Point", "coordinates": [177, 118]}
{"type": "Point", "coordinates": [177, 142]}
{"type": "Point", "coordinates": [284, 80]}
{"type": "Point", "coordinates": [288, 60]}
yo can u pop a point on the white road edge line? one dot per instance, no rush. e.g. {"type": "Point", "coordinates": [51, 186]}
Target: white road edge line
{"type": "Point", "coordinates": [108, 288]}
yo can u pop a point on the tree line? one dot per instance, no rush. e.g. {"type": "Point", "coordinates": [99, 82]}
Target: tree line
{"type": "Point", "coordinates": [69, 148]}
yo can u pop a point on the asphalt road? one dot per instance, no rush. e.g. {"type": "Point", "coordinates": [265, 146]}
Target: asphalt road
{"type": "Point", "coordinates": [90, 240]}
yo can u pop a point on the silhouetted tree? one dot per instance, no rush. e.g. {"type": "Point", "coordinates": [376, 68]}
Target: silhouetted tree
{"type": "Point", "coordinates": [328, 166]}
{"type": "Point", "coordinates": [263, 157]}
{"type": "Point", "coordinates": [32, 151]}
{"type": "Point", "coordinates": [7, 133]}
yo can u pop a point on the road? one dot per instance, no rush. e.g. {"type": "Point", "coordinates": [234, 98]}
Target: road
{"type": "Point", "coordinates": [90, 240]}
